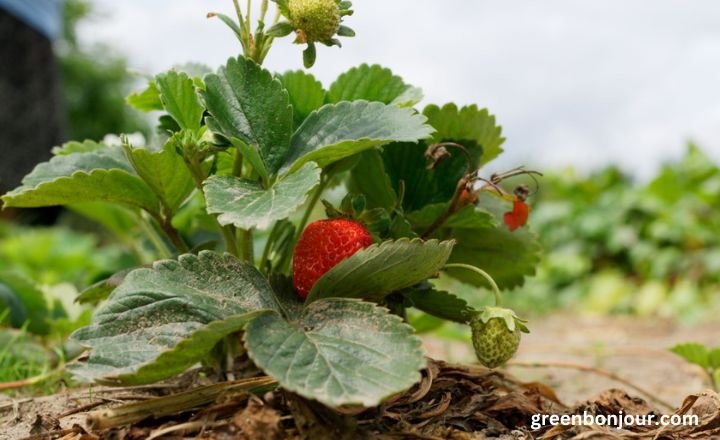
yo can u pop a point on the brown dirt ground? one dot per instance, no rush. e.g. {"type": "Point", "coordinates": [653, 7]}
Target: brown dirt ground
{"type": "Point", "coordinates": [631, 347]}
{"type": "Point", "coordinates": [627, 346]}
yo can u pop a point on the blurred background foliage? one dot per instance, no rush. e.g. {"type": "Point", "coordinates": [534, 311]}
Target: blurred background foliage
{"type": "Point", "coordinates": [96, 81]}
{"type": "Point", "coordinates": [42, 269]}
{"type": "Point", "coordinates": [614, 246]}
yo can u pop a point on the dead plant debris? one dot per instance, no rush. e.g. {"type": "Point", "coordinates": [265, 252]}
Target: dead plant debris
{"type": "Point", "coordinates": [450, 402]}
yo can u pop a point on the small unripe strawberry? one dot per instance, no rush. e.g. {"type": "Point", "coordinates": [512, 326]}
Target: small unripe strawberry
{"type": "Point", "coordinates": [495, 335]}
{"type": "Point", "coordinates": [322, 245]}
{"type": "Point", "coordinates": [314, 20]}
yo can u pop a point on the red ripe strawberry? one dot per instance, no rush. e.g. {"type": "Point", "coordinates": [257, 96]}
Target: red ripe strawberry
{"type": "Point", "coordinates": [518, 216]}
{"type": "Point", "coordinates": [322, 245]}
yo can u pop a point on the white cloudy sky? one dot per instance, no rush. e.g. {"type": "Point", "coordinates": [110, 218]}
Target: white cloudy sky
{"type": "Point", "coordinates": [572, 82]}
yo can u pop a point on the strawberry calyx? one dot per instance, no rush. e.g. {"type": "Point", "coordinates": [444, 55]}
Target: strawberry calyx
{"type": "Point", "coordinates": [496, 334]}
{"type": "Point", "coordinates": [512, 321]}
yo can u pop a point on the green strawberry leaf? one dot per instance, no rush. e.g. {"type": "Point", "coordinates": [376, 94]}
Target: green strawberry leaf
{"type": "Point", "coordinates": [507, 256]}
{"type": "Point", "coordinates": [247, 204]}
{"type": "Point", "coordinates": [693, 352]}
{"type": "Point", "coordinates": [338, 131]}
{"type": "Point", "coordinates": [102, 175]}
{"type": "Point", "coordinates": [286, 296]}
{"type": "Point", "coordinates": [134, 337]}
{"type": "Point", "coordinates": [469, 216]}
{"type": "Point", "coordinates": [164, 172]}
{"type": "Point", "coordinates": [475, 129]}
{"type": "Point", "coordinates": [306, 93]}
{"type": "Point", "coordinates": [77, 147]}
{"type": "Point", "coordinates": [439, 303]}
{"type": "Point", "coordinates": [146, 100]}
{"type": "Point", "coordinates": [247, 103]}
{"type": "Point", "coordinates": [12, 308]}
{"type": "Point", "coordinates": [373, 83]}
{"type": "Point", "coordinates": [102, 289]}
{"type": "Point", "coordinates": [25, 303]}
{"type": "Point", "coordinates": [380, 269]}
{"type": "Point", "coordinates": [178, 97]}
{"type": "Point", "coordinates": [189, 351]}
{"type": "Point", "coordinates": [368, 177]}
{"type": "Point", "coordinates": [406, 163]}
{"type": "Point", "coordinates": [714, 358]}
{"type": "Point", "coordinates": [21, 348]}
{"type": "Point", "coordinates": [466, 124]}
{"type": "Point", "coordinates": [339, 352]}
{"type": "Point", "coordinates": [118, 219]}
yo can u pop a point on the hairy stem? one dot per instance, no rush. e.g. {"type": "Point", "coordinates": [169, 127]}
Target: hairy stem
{"type": "Point", "coordinates": [247, 15]}
{"type": "Point", "coordinates": [154, 237]}
{"type": "Point", "coordinates": [264, 259]}
{"type": "Point", "coordinates": [246, 235]}
{"type": "Point", "coordinates": [437, 153]}
{"type": "Point", "coordinates": [238, 11]}
{"type": "Point", "coordinates": [488, 278]}
{"type": "Point", "coordinates": [227, 232]}
{"type": "Point", "coordinates": [324, 180]}
{"type": "Point", "coordinates": [453, 207]}
{"type": "Point", "coordinates": [263, 10]}
{"type": "Point", "coordinates": [247, 248]}
{"type": "Point", "coordinates": [165, 223]}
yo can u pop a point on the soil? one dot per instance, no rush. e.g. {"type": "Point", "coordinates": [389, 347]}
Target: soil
{"type": "Point", "coordinates": [559, 370]}
{"type": "Point", "coordinates": [634, 348]}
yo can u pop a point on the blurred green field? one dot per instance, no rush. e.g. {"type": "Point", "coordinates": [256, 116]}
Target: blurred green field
{"type": "Point", "coordinates": [616, 246]}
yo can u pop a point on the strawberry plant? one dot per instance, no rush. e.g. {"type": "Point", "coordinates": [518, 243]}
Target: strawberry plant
{"type": "Point", "coordinates": [243, 160]}
{"type": "Point", "coordinates": [707, 358]}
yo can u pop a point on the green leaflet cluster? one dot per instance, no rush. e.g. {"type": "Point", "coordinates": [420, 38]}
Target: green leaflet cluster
{"type": "Point", "coordinates": [243, 148]}
{"type": "Point", "coordinates": [163, 320]}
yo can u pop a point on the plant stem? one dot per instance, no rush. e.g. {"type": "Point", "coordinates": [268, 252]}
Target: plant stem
{"type": "Point", "coordinates": [713, 382]}
{"type": "Point", "coordinates": [238, 12]}
{"type": "Point", "coordinates": [246, 242]}
{"type": "Point", "coordinates": [263, 10]}
{"type": "Point", "coordinates": [172, 234]}
{"type": "Point", "coordinates": [237, 164]}
{"type": "Point", "coordinates": [246, 235]}
{"type": "Point", "coordinates": [247, 15]}
{"type": "Point", "coordinates": [226, 231]}
{"type": "Point", "coordinates": [268, 245]}
{"type": "Point", "coordinates": [488, 278]}
{"type": "Point", "coordinates": [324, 180]}
{"type": "Point", "coordinates": [464, 183]}
{"type": "Point", "coordinates": [452, 209]}
{"type": "Point", "coordinates": [154, 238]}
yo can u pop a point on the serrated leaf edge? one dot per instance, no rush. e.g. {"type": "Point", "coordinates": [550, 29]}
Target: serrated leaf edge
{"type": "Point", "coordinates": [411, 333]}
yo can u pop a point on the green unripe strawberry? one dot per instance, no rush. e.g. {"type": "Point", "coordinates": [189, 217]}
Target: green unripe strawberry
{"type": "Point", "coordinates": [496, 335]}
{"type": "Point", "coordinates": [314, 20]}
